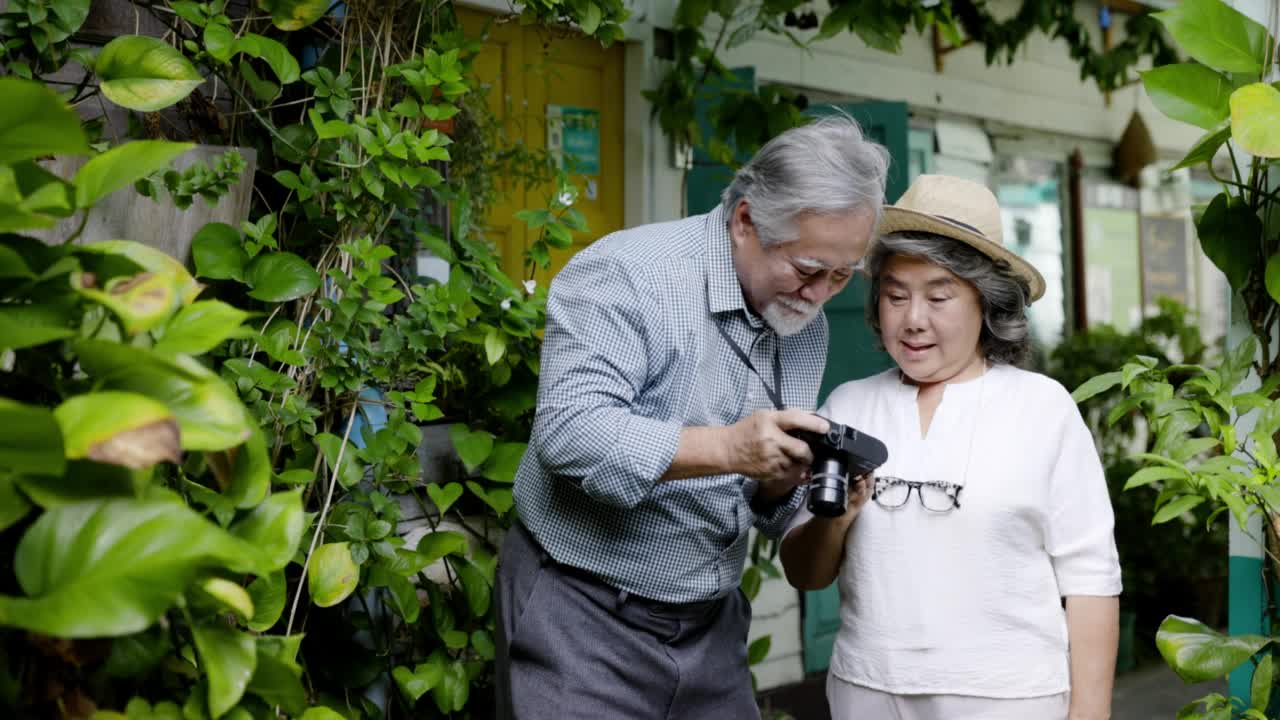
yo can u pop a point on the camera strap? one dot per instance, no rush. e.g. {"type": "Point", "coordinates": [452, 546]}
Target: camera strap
{"type": "Point", "coordinates": [775, 392]}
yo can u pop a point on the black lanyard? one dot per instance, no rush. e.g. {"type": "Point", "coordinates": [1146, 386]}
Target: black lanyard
{"type": "Point", "coordinates": [775, 392]}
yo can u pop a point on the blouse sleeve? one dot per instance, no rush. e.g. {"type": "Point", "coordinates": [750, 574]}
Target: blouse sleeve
{"type": "Point", "coordinates": [1080, 537]}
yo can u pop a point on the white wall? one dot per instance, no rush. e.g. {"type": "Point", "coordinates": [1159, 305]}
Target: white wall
{"type": "Point", "coordinates": [1040, 91]}
{"type": "Point", "coordinates": [776, 612]}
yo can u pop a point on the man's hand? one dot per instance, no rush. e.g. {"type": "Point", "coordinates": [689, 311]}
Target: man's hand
{"type": "Point", "coordinates": [760, 448]}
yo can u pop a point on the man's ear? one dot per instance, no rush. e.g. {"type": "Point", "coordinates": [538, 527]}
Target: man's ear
{"type": "Point", "coordinates": [741, 227]}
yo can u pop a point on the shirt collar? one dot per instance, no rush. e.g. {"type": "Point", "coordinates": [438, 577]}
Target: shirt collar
{"type": "Point", "coordinates": [724, 291]}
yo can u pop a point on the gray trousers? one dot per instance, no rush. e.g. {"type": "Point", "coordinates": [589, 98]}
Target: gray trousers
{"type": "Point", "coordinates": [570, 646]}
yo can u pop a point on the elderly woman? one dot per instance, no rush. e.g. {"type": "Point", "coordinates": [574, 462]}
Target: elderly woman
{"type": "Point", "coordinates": [991, 509]}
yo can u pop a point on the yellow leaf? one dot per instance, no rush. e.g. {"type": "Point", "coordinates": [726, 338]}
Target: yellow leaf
{"type": "Point", "coordinates": [1255, 119]}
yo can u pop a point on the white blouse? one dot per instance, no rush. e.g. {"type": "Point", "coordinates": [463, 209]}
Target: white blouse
{"type": "Point", "coordinates": [969, 602]}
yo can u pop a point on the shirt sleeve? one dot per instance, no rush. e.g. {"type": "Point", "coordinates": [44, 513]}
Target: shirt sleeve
{"type": "Point", "coordinates": [603, 331]}
{"type": "Point", "coordinates": [1080, 537]}
{"type": "Point", "coordinates": [773, 521]}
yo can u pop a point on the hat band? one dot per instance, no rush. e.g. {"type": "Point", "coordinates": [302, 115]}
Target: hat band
{"type": "Point", "coordinates": [964, 225]}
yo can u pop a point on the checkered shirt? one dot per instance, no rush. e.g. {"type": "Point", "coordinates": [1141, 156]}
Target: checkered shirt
{"type": "Point", "coordinates": [631, 355]}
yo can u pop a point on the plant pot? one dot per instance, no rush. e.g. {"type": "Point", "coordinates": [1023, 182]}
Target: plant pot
{"type": "Point", "coordinates": [157, 223]}
{"type": "Point", "coordinates": [436, 572]}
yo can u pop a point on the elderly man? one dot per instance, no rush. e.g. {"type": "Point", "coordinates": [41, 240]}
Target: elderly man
{"type": "Point", "coordinates": [677, 358]}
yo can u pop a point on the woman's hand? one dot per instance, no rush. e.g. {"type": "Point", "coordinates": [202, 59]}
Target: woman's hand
{"type": "Point", "coordinates": [812, 553]}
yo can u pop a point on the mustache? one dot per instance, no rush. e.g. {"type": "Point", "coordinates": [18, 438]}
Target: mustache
{"type": "Point", "coordinates": [797, 305]}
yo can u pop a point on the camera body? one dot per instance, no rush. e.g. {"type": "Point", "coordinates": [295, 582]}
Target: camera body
{"type": "Point", "coordinates": [838, 454]}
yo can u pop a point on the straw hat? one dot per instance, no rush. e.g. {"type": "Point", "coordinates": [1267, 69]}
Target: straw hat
{"type": "Point", "coordinates": [961, 210]}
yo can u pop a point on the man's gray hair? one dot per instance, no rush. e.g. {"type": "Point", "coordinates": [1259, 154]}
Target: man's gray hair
{"type": "Point", "coordinates": [1004, 296]}
{"type": "Point", "coordinates": [825, 167]}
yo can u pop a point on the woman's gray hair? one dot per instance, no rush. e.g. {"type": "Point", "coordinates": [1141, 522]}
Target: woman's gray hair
{"type": "Point", "coordinates": [1004, 296]}
{"type": "Point", "coordinates": [825, 167]}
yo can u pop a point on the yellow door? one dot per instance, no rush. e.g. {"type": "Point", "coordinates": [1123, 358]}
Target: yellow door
{"type": "Point", "coordinates": [532, 72]}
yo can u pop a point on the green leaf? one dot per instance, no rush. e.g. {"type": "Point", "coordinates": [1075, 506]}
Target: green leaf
{"type": "Point", "coordinates": [123, 165]}
{"type": "Point", "coordinates": [276, 55]}
{"type": "Point", "coordinates": [1216, 34]}
{"type": "Point", "coordinates": [692, 13]}
{"type": "Point", "coordinates": [759, 649]}
{"type": "Point", "coordinates": [200, 327]}
{"type": "Point", "coordinates": [589, 21]}
{"type": "Point", "coordinates": [440, 543]}
{"type": "Point", "coordinates": [12, 265]}
{"type": "Point", "coordinates": [1255, 119]}
{"type": "Point", "coordinates": [84, 480]}
{"type": "Point", "coordinates": [229, 595]}
{"type": "Point", "coordinates": [473, 446]}
{"type": "Point", "coordinates": [141, 301]}
{"type": "Point", "coordinates": [1096, 385]}
{"type": "Point", "coordinates": [321, 713]}
{"type": "Point", "coordinates": [278, 677]}
{"type": "Point", "coordinates": [500, 499]}
{"type": "Point", "coordinates": [404, 598]}
{"type": "Point", "coordinates": [219, 42]}
{"type": "Point", "coordinates": [1146, 476]}
{"type": "Point", "coordinates": [13, 504]}
{"type": "Point", "coordinates": [574, 220]}
{"type": "Point", "coordinates": [558, 236]}
{"type": "Point", "coordinates": [1206, 147]}
{"type": "Point", "coordinates": [1175, 508]}
{"type": "Point", "coordinates": [454, 688]}
{"type": "Point", "coordinates": [503, 462]}
{"type": "Point", "coordinates": [1198, 653]}
{"type": "Point", "coordinates": [1273, 277]}
{"type": "Point", "coordinates": [145, 74]}
{"type": "Point", "coordinates": [228, 658]}
{"type": "Point", "coordinates": [280, 277]}
{"type": "Point", "coordinates": [294, 14]}
{"type": "Point", "coordinates": [1228, 231]}
{"type": "Point", "coordinates": [1260, 687]}
{"type": "Point", "coordinates": [482, 642]}
{"type": "Point", "coordinates": [274, 528]}
{"type": "Point", "coordinates": [751, 581]}
{"type": "Point", "coordinates": [23, 326]}
{"type": "Point", "coordinates": [119, 428]}
{"type": "Point", "coordinates": [444, 496]}
{"type": "Point", "coordinates": [418, 682]}
{"type": "Point", "coordinates": [32, 440]}
{"type": "Point", "coordinates": [134, 655]}
{"type": "Point", "coordinates": [268, 594]}
{"type": "Point", "coordinates": [34, 122]}
{"type": "Point", "coordinates": [1193, 447]}
{"type": "Point", "coordinates": [332, 575]}
{"type": "Point", "coordinates": [249, 479]}
{"type": "Point", "coordinates": [112, 567]}
{"type": "Point", "coordinates": [474, 586]}
{"type": "Point", "coordinates": [209, 413]}
{"type": "Point", "coordinates": [1190, 93]}
{"type": "Point", "coordinates": [151, 260]}
{"type": "Point", "coordinates": [495, 345]}
{"type": "Point", "coordinates": [331, 446]}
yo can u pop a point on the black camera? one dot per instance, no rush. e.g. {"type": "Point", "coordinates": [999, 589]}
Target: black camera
{"type": "Point", "coordinates": [838, 454]}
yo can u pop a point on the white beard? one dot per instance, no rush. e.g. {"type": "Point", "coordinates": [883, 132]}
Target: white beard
{"type": "Point", "coordinates": [788, 317]}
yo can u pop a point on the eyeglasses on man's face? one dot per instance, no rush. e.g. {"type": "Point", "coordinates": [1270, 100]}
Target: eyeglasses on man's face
{"type": "Point", "coordinates": [892, 493]}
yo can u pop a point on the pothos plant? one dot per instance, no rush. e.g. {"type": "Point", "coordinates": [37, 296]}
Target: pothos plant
{"type": "Point", "coordinates": [111, 417]}
{"type": "Point", "coordinates": [349, 353]}
{"type": "Point", "coordinates": [1214, 428]}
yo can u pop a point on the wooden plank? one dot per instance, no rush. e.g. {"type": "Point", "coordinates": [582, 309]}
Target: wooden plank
{"type": "Point", "coordinates": [128, 215]}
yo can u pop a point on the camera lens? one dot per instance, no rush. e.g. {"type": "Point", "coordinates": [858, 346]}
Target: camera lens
{"type": "Point", "coordinates": [827, 490]}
